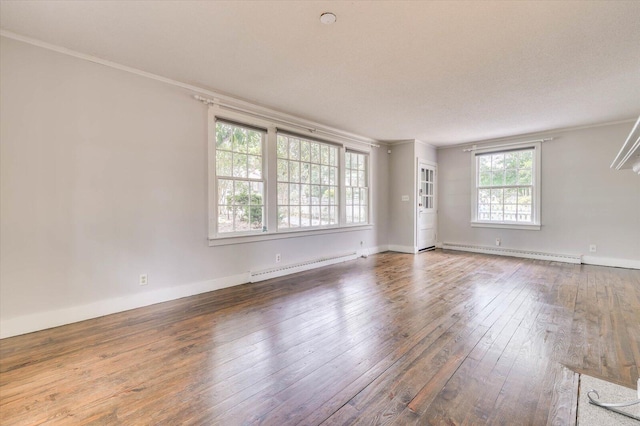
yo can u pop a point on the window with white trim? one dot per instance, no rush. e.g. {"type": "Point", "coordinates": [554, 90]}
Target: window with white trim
{"type": "Point", "coordinates": [356, 178]}
{"type": "Point", "coordinates": [506, 189]}
{"type": "Point", "coordinates": [267, 182]}
{"type": "Point", "coordinates": [308, 191]}
{"type": "Point", "coordinates": [240, 179]}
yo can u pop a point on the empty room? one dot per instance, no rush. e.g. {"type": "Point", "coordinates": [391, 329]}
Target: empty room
{"type": "Point", "coordinates": [319, 212]}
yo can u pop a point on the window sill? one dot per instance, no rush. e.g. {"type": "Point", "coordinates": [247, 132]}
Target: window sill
{"type": "Point", "coordinates": [242, 239]}
{"type": "Point", "coordinates": [532, 227]}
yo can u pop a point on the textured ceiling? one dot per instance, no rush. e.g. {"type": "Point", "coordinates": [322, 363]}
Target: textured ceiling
{"type": "Point", "coordinates": [441, 72]}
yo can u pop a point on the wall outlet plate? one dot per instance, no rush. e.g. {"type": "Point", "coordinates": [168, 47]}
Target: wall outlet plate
{"type": "Point", "coordinates": [592, 248]}
{"type": "Point", "coordinates": [143, 280]}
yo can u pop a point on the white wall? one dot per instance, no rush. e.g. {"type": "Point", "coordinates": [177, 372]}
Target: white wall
{"type": "Point", "coordinates": [403, 181]}
{"type": "Point", "coordinates": [104, 177]}
{"type": "Point", "coordinates": [583, 201]}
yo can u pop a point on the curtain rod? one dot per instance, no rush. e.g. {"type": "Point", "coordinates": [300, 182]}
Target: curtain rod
{"type": "Point", "coordinates": [312, 130]}
{"type": "Point", "coordinates": [475, 147]}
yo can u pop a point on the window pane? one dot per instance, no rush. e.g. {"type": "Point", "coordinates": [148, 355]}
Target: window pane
{"type": "Point", "coordinates": [324, 154]}
{"type": "Point", "coordinates": [283, 217]}
{"type": "Point", "coordinates": [241, 219]}
{"type": "Point", "coordinates": [294, 216]}
{"type": "Point", "coordinates": [225, 191]}
{"type": "Point", "coordinates": [324, 175]}
{"type": "Point", "coordinates": [223, 136]}
{"type": "Point", "coordinates": [510, 196]}
{"type": "Point", "coordinates": [315, 152]}
{"type": "Point", "coordinates": [294, 171]}
{"type": "Point", "coordinates": [484, 196]}
{"type": "Point", "coordinates": [524, 177]}
{"type": "Point", "coordinates": [305, 195]}
{"type": "Point", "coordinates": [305, 151]}
{"type": "Point", "coordinates": [223, 163]}
{"type": "Point", "coordinates": [305, 172]}
{"type": "Point", "coordinates": [283, 170]}
{"type": "Point", "coordinates": [526, 159]}
{"type": "Point", "coordinates": [294, 194]}
{"type": "Point", "coordinates": [333, 175]}
{"type": "Point", "coordinates": [485, 178]}
{"type": "Point", "coordinates": [305, 215]}
{"type": "Point", "coordinates": [497, 162]}
{"type": "Point", "coordinates": [484, 163]}
{"type": "Point", "coordinates": [240, 165]}
{"type": "Point", "coordinates": [524, 196]}
{"type": "Point", "coordinates": [496, 196]}
{"type": "Point", "coordinates": [315, 174]}
{"type": "Point", "coordinates": [511, 160]}
{"type": "Point", "coordinates": [225, 219]}
{"type": "Point", "coordinates": [283, 147]}
{"type": "Point", "coordinates": [254, 145]}
{"type": "Point", "coordinates": [294, 149]}
{"type": "Point", "coordinates": [497, 178]}
{"type": "Point", "coordinates": [511, 177]}
{"type": "Point", "coordinates": [255, 166]}
{"type": "Point", "coordinates": [241, 193]}
{"type": "Point", "coordinates": [239, 140]}
{"type": "Point", "coordinates": [283, 194]}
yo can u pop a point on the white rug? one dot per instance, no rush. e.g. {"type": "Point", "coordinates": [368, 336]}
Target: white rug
{"type": "Point", "coordinates": [591, 415]}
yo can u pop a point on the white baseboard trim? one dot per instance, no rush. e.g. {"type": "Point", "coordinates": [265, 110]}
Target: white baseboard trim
{"type": "Point", "coordinates": [55, 318]}
{"type": "Point", "coordinates": [257, 276]}
{"type": "Point", "coordinates": [528, 254]}
{"type": "Point", "coordinates": [611, 261]}
{"type": "Point", "coordinates": [402, 249]}
{"type": "Point", "coordinates": [49, 319]}
{"type": "Point", "coordinates": [375, 250]}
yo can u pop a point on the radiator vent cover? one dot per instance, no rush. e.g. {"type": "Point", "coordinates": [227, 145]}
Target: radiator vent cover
{"type": "Point", "coordinates": [529, 254]}
{"type": "Point", "coordinates": [299, 267]}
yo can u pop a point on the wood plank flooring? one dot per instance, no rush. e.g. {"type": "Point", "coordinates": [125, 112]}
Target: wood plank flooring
{"type": "Point", "coordinates": [443, 338]}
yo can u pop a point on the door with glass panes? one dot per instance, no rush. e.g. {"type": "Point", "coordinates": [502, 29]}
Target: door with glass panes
{"type": "Point", "coordinates": [426, 218]}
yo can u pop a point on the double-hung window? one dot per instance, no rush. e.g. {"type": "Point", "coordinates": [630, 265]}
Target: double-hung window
{"type": "Point", "coordinates": [267, 182]}
{"type": "Point", "coordinates": [308, 191]}
{"type": "Point", "coordinates": [506, 190]}
{"type": "Point", "coordinates": [239, 178]}
{"type": "Point", "coordinates": [356, 187]}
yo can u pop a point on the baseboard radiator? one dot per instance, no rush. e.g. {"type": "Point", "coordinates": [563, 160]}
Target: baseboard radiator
{"type": "Point", "coordinates": [567, 258]}
{"type": "Point", "coordinates": [267, 274]}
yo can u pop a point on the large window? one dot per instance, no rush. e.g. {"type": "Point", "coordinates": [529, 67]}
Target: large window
{"type": "Point", "coordinates": [356, 187]}
{"type": "Point", "coordinates": [507, 191]}
{"type": "Point", "coordinates": [308, 190]}
{"type": "Point", "coordinates": [239, 178]}
{"type": "Point", "coordinates": [268, 182]}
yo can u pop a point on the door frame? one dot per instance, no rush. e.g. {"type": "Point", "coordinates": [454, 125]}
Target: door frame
{"type": "Point", "coordinates": [416, 229]}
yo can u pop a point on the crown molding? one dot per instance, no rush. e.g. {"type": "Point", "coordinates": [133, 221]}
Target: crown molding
{"type": "Point", "coordinates": [228, 99]}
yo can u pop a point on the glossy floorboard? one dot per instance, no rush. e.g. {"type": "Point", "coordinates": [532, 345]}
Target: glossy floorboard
{"type": "Point", "coordinates": [437, 338]}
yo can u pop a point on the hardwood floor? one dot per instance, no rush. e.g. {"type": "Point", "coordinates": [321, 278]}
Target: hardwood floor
{"type": "Point", "coordinates": [437, 338]}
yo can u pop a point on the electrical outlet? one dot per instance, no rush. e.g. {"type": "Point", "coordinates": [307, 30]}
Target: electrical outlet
{"type": "Point", "coordinates": [498, 241]}
{"type": "Point", "coordinates": [143, 279]}
{"type": "Point", "coordinates": [278, 258]}
{"type": "Point", "coordinates": [592, 248]}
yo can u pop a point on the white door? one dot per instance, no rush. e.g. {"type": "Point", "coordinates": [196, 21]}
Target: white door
{"type": "Point", "coordinates": [427, 213]}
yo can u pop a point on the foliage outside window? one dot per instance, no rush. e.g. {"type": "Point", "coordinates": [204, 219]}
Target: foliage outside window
{"type": "Point", "coordinates": [505, 186]}
{"type": "Point", "coordinates": [307, 188]}
{"type": "Point", "coordinates": [239, 178]}
{"type": "Point", "coordinates": [356, 188]}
